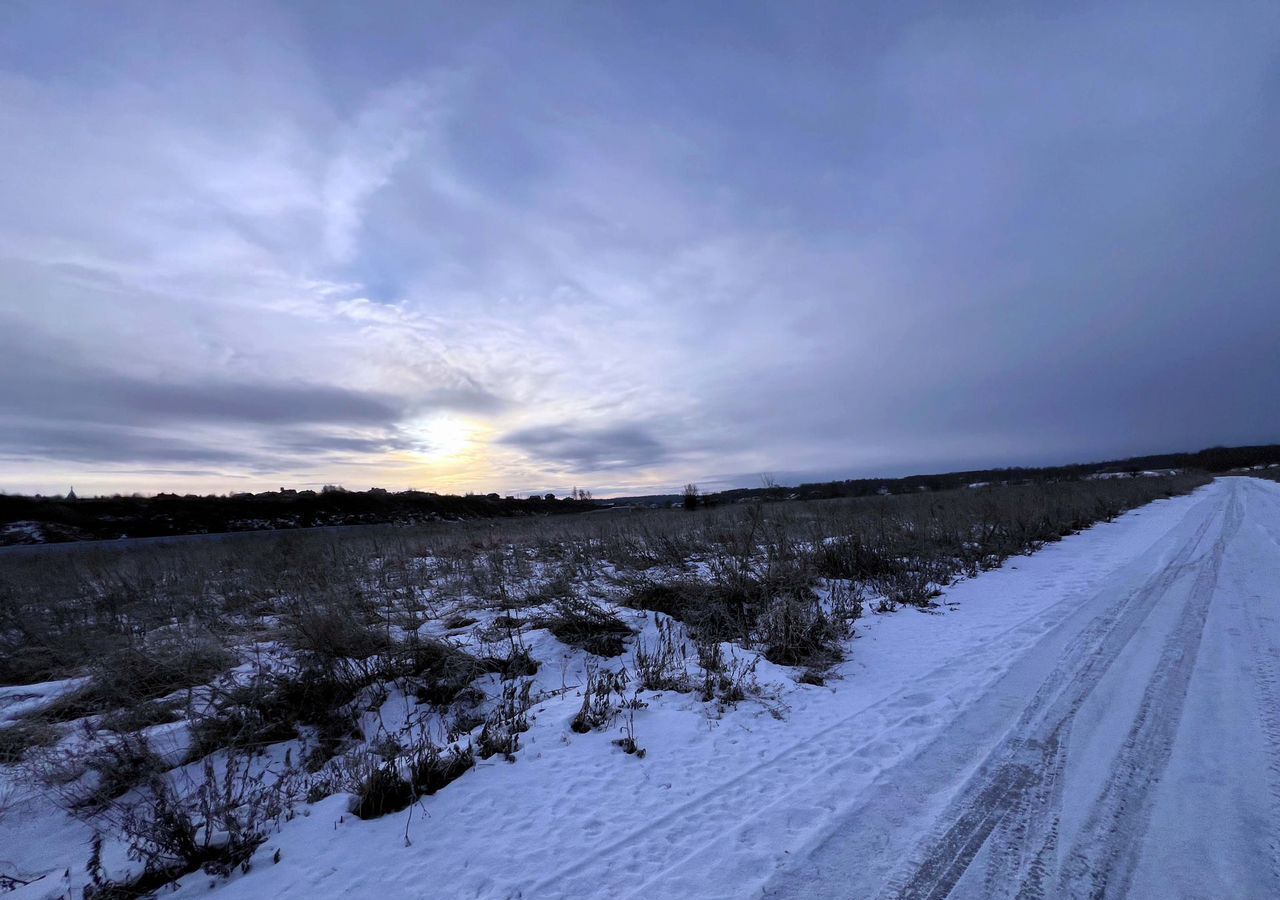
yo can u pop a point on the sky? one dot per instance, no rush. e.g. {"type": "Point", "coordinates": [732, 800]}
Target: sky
{"type": "Point", "coordinates": [623, 246]}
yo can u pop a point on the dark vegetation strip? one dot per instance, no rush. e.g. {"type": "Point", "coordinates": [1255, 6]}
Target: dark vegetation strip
{"type": "Point", "coordinates": [57, 519]}
{"type": "Point", "coordinates": [157, 615]}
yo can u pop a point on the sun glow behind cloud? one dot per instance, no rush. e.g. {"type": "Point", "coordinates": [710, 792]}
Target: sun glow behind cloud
{"type": "Point", "coordinates": [440, 438]}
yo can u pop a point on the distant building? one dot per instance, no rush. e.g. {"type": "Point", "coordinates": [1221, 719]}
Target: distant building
{"type": "Point", "coordinates": [71, 494]}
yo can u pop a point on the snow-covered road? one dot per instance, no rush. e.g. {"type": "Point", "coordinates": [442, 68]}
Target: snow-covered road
{"type": "Point", "coordinates": [1132, 750]}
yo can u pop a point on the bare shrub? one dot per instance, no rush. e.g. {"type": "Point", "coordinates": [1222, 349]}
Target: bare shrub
{"type": "Point", "coordinates": [502, 648]}
{"type": "Point", "coordinates": [849, 557]}
{"type": "Point", "coordinates": [17, 738]}
{"type": "Point", "coordinates": [466, 713]}
{"type": "Point", "coordinates": [797, 631]}
{"type": "Point", "coordinates": [756, 597]}
{"type": "Point", "coordinates": [433, 769]}
{"type": "Point", "coordinates": [914, 583]}
{"type": "Point", "coordinates": [26, 659]}
{"type": "Point", "coordinates": [628, 740]}
{"type": "Point", "coordinates": [88, 781]}
{"type": "Point", "coordinates": [602, 697]}
{"type": "Point", "coordinates": [719, 607]}
{"type": "Point", "coordinates": [727, 680]}
{"type": "Point", "coordinates": [516, 661]}
{"type": "Point", "coordinates": [584, 623]}
{"type": "Point", "coordinates": [334, 630]}
{"type": "Point", "coordinates": [214, 828]}
{"type": "Point", "coordinates": [438, 672]}
{"type": "Point", "coordinates": [678, 599]}
{"type": "Point", "coordinates": [143, 670]}
{"type": "Point", "coordinates": [317, 699]}
{"type": "Point", "coordinates": [140, 717]}
{"type": "Point", "coordinates": [388, 778]}
{"type": "Point", "coordinates": [382, 791]}
{"type": "Point", "coordinates": [459, 621]}
{"type": "Point", "coordinates": [846, 600]}
{"type": "Point", "coordinates": [663, 664]}
{"type": "Point", "coordinates": [273, 705]}
{"type": "Point", "coordinates": [248, 717]}
{"type": "Point", "coordinates": [506, 722]}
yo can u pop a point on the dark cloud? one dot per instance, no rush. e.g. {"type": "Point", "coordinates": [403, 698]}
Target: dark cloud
{"type": "Point", "coordinates": [589, 450]}
{"type": "Point", "coordinates": [311, 442]}
{"type": "Point", "coordinates": [44, 383]}
{"type": "Point", "coordinates": [160, 451]}
{"type": "Point", "coordinates": [26, 442]}
{"type": "Point", "coordinates": [58, 408]}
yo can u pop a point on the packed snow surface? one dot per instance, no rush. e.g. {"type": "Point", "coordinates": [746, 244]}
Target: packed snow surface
{"type": "Point", "coordinates": [1099, 719]}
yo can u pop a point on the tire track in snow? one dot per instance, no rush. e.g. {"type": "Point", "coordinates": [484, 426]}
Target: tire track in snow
{"type": "Point", "coordinates": [826, 749]}
{"type": "Point", "coordinates": [1101, 864]}
{"type": "Point", "coordinates": [1022, 776]}
{"type": "Point", "coordinates": [1265, 651]}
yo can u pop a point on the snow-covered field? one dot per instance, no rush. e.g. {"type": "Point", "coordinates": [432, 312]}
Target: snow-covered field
{"type": "Point", "coordinates": [1098, 718]}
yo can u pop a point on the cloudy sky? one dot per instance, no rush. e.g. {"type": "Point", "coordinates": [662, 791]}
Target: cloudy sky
{"type": "Point", "coordinates": [474, 246]}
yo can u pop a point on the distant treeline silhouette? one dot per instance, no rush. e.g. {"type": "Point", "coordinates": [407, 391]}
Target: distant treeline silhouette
{"type": "Point", "coordinates": [26, 519]}
{"type": "Point", "coordinates": [1214, 460]}
{"type": "Point", "coordinates": [52, 519]}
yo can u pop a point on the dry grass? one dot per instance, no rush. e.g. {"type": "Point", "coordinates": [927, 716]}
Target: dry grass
{"type": "Point", "coordinates": [337, 621]}
{"type": "Point", "coordinates": [149, 622]}
{"type": "Point", "coordinates": [344, 595]}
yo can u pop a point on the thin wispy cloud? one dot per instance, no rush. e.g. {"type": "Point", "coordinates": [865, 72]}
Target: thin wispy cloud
{"type": "Point", "coordinates": [380, 138]}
